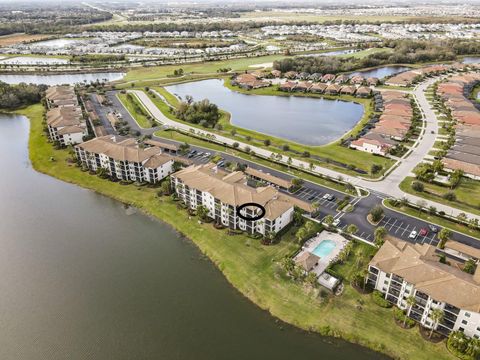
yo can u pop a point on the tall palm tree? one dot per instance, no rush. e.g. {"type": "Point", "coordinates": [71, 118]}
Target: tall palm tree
{"type": "Point", "coordinates": [410, 303]}
{"type": "Point", "coordinates": [436, 315]}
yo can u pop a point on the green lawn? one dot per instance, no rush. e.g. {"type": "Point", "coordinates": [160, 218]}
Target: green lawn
{"type": "Point", "coordinates": [333, 151]}
{"type": "Point", "coordinates": [358, 260]}
{"type": "Point", "coordinates": [249, 266]}
{"type": "Point", "coordinates": [133, 107]}
{"type": "Point", "coordinates": [208, 67]}
{"type": "Point", "coordinates": [467, 192]}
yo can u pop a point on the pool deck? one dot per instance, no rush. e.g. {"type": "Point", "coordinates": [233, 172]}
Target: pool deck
{"type": "Point", "coordinates": [312, 243]}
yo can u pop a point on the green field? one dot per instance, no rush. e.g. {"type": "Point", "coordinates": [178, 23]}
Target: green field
{"type": "Point", "coordinates": [467, 193]}
{"type": "Point", "coordinates": [249, 266]}
{"type": "Point", "coordinates": [333, 151]}
{"type": "Point", "coordinates": [204, 68]}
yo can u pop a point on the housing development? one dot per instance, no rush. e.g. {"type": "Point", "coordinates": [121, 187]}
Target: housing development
{"type": "Point", "coordinates": [324, 157]}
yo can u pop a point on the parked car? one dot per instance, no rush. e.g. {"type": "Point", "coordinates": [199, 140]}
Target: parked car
{"type": "Point", "coordinates": [336, 222]}
{"type": "Point", "coordinates": [433, 228]}
{"type": "Point", "coordinates": [423, 232]}
{"type": "Point", "coordinates": [413, 235]}
{"type": "Point", "coordinates": [311, 198]}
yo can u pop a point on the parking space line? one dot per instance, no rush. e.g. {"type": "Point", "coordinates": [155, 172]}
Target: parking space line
{"type": "Point", "coordinates": [399, 227]}
{"type": "Point", "coordinates": [408, 225]}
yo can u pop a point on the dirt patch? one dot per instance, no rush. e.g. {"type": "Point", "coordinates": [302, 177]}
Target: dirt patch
{"type": "Point", "coordinates": [20, 38]}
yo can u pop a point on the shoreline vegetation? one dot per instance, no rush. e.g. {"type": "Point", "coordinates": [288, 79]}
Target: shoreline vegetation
{"type": "Point", "coordinates": [251, 267]}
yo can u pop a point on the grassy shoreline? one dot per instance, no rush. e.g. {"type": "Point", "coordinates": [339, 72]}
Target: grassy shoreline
{"type": "Point", "coordinates": [250, 266]}
{"type": "Point", "coordinates": [332, 150]}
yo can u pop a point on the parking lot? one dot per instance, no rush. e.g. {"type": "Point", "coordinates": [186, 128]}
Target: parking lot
{"type": "Point", "coordinates": [311, 195]}
{"type": "Point", "coordinates": [402, 230]}
{"type": "Point", "coordinates": [200, 158]}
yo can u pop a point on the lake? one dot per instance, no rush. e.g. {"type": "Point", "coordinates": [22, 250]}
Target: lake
{"type": "Point", "coordinates": [33, 60]}
{"type": "Point", "coordinates": [309, 121]}
{"type": "Point", "coordinates": [85, 278]}
{"type": "Point", "coordinates": [59, 79]}
{"type": "Point", "coordinates": [334, 53]}
{"type": "Point", "coordinates": [471, 59]}
{"type": "Point", "coordinates": [57, 43]}
{"type": "Point", "coordinates": [380, 72]}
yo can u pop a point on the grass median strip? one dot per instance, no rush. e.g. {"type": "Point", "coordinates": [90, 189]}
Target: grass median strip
{"type": "Point", "coordinates": [467, 193]}
{"type": "Point", "coordinates": [136, 109]}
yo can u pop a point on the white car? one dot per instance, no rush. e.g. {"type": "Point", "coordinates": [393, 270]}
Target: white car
{"type": "Point", "coordinates": [413, 235]}
{"type": "Point", "coordinates": [336, 222]}
{"type": "Point", "coordinates": [326, 196]}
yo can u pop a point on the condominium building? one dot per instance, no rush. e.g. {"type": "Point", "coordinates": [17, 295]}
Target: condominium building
{"type": "Point", "coordinates": [66, 125]}
{"type": "Point", "coordinates": [221, 193]}
{"type": "Point", "coordinates": [56, 96]}
{"type": "Point", "coordinates": [65, 121]}
{"type": "Point", "coordinates": [125, 159]}
{"type": "Point", "coordinates": [400, 270]}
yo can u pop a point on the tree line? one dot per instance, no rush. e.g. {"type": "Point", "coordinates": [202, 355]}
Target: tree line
{"type": "Point", "coordinates": [16, 96]}
{"type": "Point", "coordinates": [404, 52]}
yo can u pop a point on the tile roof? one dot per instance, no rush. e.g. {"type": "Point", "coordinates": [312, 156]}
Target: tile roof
{"type": "Point", "coordinates": [418, 264]}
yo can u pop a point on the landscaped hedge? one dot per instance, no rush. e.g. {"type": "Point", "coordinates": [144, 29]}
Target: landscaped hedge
{"type": "Point", "coordinates": [378, 299]}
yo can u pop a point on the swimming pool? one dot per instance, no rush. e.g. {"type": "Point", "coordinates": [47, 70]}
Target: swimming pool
{"type": "Point", "coordinates": [324, 248]}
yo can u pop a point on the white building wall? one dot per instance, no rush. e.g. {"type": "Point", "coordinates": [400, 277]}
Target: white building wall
{"type": "Point", "coordinates": [469, 321]}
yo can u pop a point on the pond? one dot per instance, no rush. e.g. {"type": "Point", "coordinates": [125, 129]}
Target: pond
{"type": "Point", "coordinates": [57, 43]}
{"type": "Point", "coordinates": [471, 59]}
{"type": "Point", "coordinates": [380, 72]}
{"type": "Point", "coordinates": [85, 278]}
{"type": "Point", "coordinates": [309, 121]}
{"type": "Point", "coordinates": [59, 79]}
{"type": "Point", "coordinates": [32, 60]}
{"type": "Point", "coordinates": [334, 53]}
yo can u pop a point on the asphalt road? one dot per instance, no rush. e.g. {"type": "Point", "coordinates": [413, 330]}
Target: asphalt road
{"type": "Point", "coordinates": [397, 224]}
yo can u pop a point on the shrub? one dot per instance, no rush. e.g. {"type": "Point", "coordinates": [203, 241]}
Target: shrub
{"type": "Point", "coordinates": [450, 196]}
{"type": "Point", "coordinates": [378, 299]}
{"type": "Point", "coordinates": [376, 213]}
{"type": "Point", "coordinates": [418, 186]}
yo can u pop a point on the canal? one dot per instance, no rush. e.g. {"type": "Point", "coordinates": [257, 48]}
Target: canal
{"type": "Point", "coordinates": [83, 277]}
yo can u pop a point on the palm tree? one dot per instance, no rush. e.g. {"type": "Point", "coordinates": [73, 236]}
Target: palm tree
{"type": "Point", "coordinates": [202, 212]}
{"type": "Point", "coordinates": [312, 279]}
{"type": "Point", "coordinates": [328, 220]}
{"type": "Point", "coordinates": [288, 264]}
{"type": "Point", "coordinates": [436, 315]}
{"type": "Point", "coordinates": [301, 234]}
{"type": "Point", "coordinates": [352, 229]}
{"type": "Point", "coordinates": [410, 303]}
{"type": "Point", "coordinates": [380, 233]}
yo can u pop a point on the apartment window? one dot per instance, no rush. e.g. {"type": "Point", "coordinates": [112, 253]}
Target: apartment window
{"type": "Point", "coordinates": [461, 329]}
{"type": "Point", "coordinates": [464, 322]}
{"type": "Point", "coordinates": [386, 282]}
{"type": "Point", "coordinates": [467, 314]}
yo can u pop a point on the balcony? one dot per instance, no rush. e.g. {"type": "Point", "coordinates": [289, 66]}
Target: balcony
{"type": "Point", "coordinates": [451, 309]}
{"type": "Point", "coordinates": [392, 299]}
